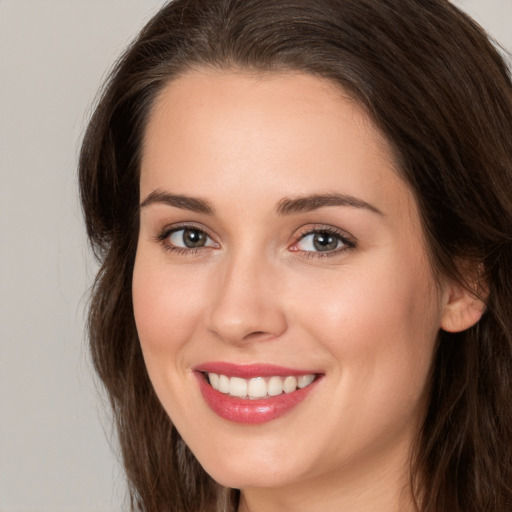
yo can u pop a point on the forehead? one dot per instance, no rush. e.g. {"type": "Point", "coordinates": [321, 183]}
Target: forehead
{"type": "Point", "coordinates": [211, 129]}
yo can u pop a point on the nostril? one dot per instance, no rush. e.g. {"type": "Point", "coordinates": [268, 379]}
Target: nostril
{"type": "Point", "coordinates": [256, 334]}
{"type": "Point", "coordinates": [253, 317]}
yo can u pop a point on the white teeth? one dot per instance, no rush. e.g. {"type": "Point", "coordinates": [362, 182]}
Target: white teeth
{"type": "Point", "coordinates": [275, 386]}
{"type": "Point", "coordinates": [214, 380]}
{"type": "Point", "coordinates": [258, 387]}
{"type": "Point", "coordinates": [305, 380]}
{"type": "Point", "coordinates": [290, 384]}
{"type": "Point", "coordinates": [237, 387]}
{"type": "Point", "coordinates": [223, 384]}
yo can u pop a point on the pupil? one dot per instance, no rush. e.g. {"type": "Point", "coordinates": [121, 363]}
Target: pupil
{"type": "Point", "coordinates": [325, 242]}
{"type": "Point", "coordinates": [194, 238]}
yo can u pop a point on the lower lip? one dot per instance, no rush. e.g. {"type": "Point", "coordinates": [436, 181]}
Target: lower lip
{"type": "Point", "coordinates": [244, 410]}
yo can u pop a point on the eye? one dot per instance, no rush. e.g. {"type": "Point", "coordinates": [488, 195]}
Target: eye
{"type": "Point", "coordinates": [188, 238]}
{"type": "Point", "coordinates": [321, 241]}
{"type": "Point", "coordinates": [326, 241]}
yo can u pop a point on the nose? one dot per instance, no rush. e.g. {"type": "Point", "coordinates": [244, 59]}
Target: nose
{"type": "Point", "coordinates": [247, 304]}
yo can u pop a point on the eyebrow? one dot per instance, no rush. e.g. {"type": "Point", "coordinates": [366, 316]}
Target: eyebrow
{"type": "Point", "coordinates": [290, 206]}
{"type": "Point", "coordinates": [178, 201]}
{"type": "Point", "coordinates": [287, 206]}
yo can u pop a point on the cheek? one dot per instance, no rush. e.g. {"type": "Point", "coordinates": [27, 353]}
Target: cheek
{"type": "Point", "coordinates": [380, 326]}
{"type": "Point", "coordinates": [167, 309]}
{"type": "Point", "coordinates": [167, 313]}
{"type": "Point", "coordinates": [370, 307]}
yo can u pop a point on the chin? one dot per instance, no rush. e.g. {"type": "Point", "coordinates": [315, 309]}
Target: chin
{"type": "Point", "coordinates": [250, 478]}
{"type": "Point", "coordinates": [245, 472]}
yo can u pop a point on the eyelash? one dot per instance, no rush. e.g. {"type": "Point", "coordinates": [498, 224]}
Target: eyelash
{"type": "Point", "coordinates": [349, 243]}
{"type": "Point", "coordinates": [181, 251]}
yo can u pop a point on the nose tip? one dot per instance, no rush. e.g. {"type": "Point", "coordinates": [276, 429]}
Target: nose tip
{"type": "Point", "coordinates": [247, 307]}
{"type": "Point", "coordinates": [250, 325]}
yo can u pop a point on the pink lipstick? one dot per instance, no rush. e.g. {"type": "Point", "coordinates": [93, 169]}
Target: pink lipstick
{"type": "Point", "coordinates": [254, 393]}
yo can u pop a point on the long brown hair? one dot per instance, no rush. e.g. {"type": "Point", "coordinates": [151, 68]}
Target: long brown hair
{"type": "Point", "coordinates": [442, 95]}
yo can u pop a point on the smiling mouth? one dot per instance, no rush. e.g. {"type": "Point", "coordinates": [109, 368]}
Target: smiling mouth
{"type": "Point", "coordinates": [254, 393]}
{"type": "Point", "coordinates": [258, 388]}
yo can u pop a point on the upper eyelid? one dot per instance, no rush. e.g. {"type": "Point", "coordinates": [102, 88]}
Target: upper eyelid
{"type": "Point", "coordinates": [171, 228]}
{"type": "Point", "coordinates": [163, 234]}
{"type": "Point", "coordinates": [299, 234]}
{"type": "Point", "coordinates": [349, 241]}
{"type": "Point", "coordinates": [162, 237]}
{"type": "Point", "coordinates": [322, 228]}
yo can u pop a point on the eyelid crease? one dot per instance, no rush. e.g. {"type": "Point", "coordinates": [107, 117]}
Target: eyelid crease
{"type": "Point", "coordinates": [321, 228]}
{"type": "Point", "coordinates": [349, 242]}
{"type": "Point", "coordinates": [168, 230]}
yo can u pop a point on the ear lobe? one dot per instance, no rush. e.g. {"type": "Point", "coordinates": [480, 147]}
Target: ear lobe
{"type": "Point", "coordinates": [462, 310]}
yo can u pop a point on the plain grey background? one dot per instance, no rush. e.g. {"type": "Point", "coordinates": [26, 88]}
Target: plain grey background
{"type": "Point", "coordinates": [54, 449]}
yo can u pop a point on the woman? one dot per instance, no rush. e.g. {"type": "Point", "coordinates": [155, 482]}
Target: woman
{"type": "Point", "coordinates": [302, 210]}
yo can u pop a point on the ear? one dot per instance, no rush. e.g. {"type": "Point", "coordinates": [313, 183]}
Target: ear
{"type": "Point", "coordinates": [464, 306]}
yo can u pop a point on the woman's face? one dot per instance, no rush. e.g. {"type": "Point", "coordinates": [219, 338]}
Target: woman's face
{"type": "Point", "coordinates": [278, 245]}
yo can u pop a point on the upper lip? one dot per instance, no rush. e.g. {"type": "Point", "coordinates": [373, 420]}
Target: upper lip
{"type": "Point", "coordinates": [248, 371]}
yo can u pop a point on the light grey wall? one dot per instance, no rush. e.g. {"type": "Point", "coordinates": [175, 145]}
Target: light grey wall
{"type": "Point", "coordinates": [53, 451]}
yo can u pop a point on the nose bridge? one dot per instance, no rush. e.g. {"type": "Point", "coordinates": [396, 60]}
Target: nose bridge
{"type": "Point", "coordinates": [247, 305]}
